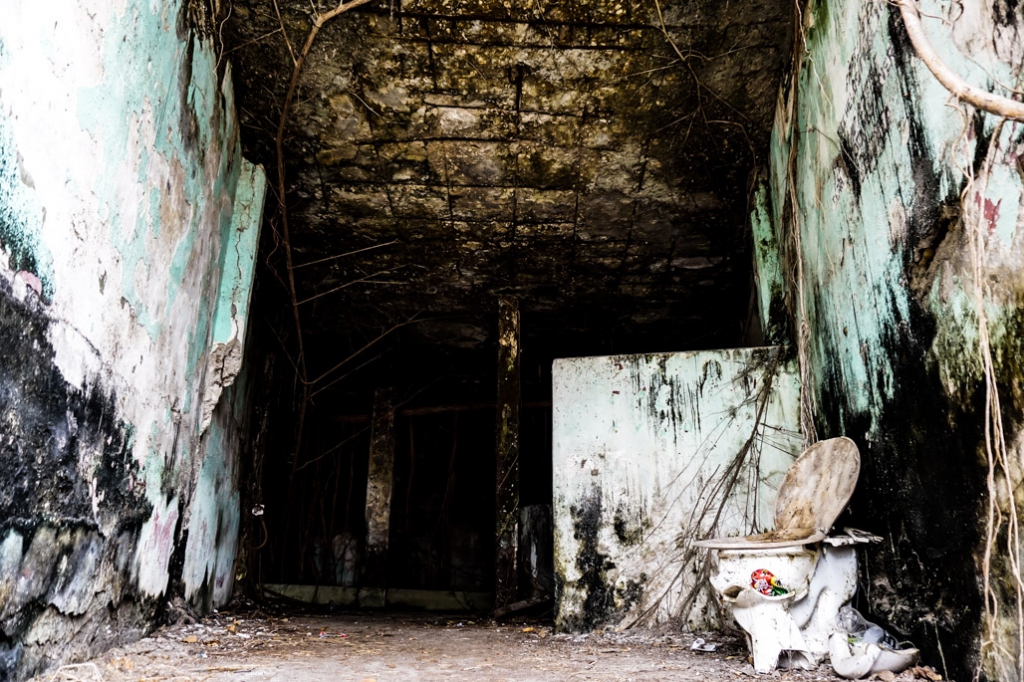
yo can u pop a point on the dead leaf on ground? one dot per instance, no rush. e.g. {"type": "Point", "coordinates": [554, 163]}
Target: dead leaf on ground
{"type": "Point", "coordinates": [926, 672]}
{"type": "Point", "coordinates": [529, 629]}
{"type": "Point", "coordinates": [191, 639]}
{"type": "Point", "coordinates": [885, 675]}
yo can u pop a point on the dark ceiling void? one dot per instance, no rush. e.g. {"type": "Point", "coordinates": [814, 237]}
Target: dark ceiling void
{"type": "Point", "coordinates": [592, 160]}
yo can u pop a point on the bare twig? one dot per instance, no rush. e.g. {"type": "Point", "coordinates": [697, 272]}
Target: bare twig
{"type": "Point", "coordinates": [348, 253]}
{"type": "Point", "coordinates": [220, 36]}
{"type": "Point", "coordinates": [334, 448]}
{"type": "Point", "coordinates": [368, 279]}
{"type": "Point", "coordinates": [320, 378]}
{"type": "Point", "coordinates": [347, 374]}
{"type": "Point", "coordinates": [252, 41]}
{"type": "Point", "coordinates": [976, 97]}
{"type": "Point", "coordinates": [284, 33]}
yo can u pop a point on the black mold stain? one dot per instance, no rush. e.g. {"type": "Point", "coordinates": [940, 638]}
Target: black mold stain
{"type": "Point", "coordinates": [604, 601]}
{"type": "Point", "coordinates": [56, 441]}
{"type": "Point", "coordinates": [50, 429]}
{"type": "Point", "coordinates": [188, 123]}
{"type": "Point", "coordinates": [848, 162]}
{"type": "Point", "coordinates": [629, 528]}
{"type": "Point", "coordinates": [1007, 12]}
{"type": "Point", "coordinates": [920, 489]}
{"type": "Point", "coordinates": [592, 564]}
{"type": "Point", "coordinates": [176, 565]}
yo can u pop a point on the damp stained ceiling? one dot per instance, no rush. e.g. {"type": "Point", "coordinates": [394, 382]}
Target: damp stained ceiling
{"type": "Point", "coordinates": [563, 152]}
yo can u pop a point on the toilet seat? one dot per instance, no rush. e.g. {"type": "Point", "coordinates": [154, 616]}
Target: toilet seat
{"type": "Point", "coordinates": [816, 489]}
{"type": "Point", "coordinates": [816, 577]}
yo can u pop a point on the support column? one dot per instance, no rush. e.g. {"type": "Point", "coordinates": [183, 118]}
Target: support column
{"type": "Point", "coordinates": [378, 498]}
{"type": "Point", "coordinates": [507, 450]}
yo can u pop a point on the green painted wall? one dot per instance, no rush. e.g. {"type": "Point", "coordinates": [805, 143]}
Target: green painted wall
{"type": "Point", "coordinates": [868, 162]}
{"type": "Point", "coordinates": [128, 230]}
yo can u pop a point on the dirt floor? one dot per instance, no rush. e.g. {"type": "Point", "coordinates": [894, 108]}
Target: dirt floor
{"type": "Point", "coordinates": [381, 647]}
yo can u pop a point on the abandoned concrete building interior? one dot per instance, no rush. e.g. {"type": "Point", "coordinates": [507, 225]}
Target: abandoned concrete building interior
{"type": "Point", "coordinates": [478, 304]}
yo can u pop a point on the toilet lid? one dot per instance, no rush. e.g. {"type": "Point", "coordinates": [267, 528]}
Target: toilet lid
{"type": "Point", "coordinates": [818, 486]}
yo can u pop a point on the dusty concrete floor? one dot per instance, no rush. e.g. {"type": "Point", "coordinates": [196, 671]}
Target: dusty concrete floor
{"type": "Point", "coordinates": [380, 647]}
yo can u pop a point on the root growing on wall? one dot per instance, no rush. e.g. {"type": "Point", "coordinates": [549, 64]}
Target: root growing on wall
{"type": "Point", "coordinates": [999, 523]}
{"type": "Point", "coordinates": [961, 89]}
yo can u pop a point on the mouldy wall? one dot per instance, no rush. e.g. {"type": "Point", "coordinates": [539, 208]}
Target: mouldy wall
{"type": "Point", "coordinates": [644, 447]}
{"type": "Point", "coordinates": [877, 152]}
{"type": "Point", "coordinates": [119, 172]}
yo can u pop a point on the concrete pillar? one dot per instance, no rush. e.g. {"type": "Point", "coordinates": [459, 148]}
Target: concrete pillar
{"type": "Point", "coordinates": [507, 451]}
{"type": "Point", "coordinates": [378, 498]}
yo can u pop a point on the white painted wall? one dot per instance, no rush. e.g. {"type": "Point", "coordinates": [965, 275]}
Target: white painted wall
{"type": "Point", "coordinates": [641, 448]}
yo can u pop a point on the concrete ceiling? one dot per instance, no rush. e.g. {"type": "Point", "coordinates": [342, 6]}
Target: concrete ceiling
{"type": "Point", "coordinates": [558, 151]}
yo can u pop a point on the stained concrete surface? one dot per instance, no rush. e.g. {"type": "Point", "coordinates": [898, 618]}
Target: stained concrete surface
{"type": "Point", "coordinates": [379, 647]}
{"type": "Point", "coordinates": [643, 451]}
{"type": "Point", "coordinates": [558, 151]}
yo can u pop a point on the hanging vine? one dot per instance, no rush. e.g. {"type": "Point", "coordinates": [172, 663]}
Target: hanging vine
{"type": "Point", "coordinates": [999, 523]}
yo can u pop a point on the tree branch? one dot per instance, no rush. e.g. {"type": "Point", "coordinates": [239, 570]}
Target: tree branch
{"type": "Point", "coordinates": [961, 89]}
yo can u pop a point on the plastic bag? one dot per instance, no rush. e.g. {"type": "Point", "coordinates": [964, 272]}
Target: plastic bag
{"type": "Point", "coordinates": [851, 622]}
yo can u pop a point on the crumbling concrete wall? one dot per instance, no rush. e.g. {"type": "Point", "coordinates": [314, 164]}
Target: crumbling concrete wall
{"type": "Point", "coordinates": [870, 157]}
{"type": "Point", "coordinates": [650, 454]}
{"type": "Point", "coordinates": [122, 194]}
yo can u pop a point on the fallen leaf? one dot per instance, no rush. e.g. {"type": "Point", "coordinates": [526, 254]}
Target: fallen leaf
{"type": "Point", "coordinates": [191, 639]}
{"type": "Point", "coordinates": [925, 672]}
{"type": "Point", "coordinates": [885, 675]}
{"type": "Point", "coordinates": [391, 665]}
{"type": "Point", "coordinates": [528, 629]}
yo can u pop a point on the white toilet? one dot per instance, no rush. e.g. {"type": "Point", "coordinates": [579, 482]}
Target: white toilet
{"type": "Point", "coordinates": [785, 587]}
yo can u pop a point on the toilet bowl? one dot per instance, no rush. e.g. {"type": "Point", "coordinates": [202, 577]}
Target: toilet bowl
{"type": "Point", "coordinates": [785, 587]}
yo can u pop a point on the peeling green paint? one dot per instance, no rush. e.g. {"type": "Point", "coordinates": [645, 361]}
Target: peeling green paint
{"type": "Point", "coordinates": [239, 255]}
{"type": "Point", "coordinates": [876, 173]}
{"type": "Point", "coordinates": [128, 222]}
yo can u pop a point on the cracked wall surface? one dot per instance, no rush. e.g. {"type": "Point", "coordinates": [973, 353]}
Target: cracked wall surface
{"type": "Point", "coordinates": [869, 158]}
{"type": "Point", "coordinates": [120, 167]}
